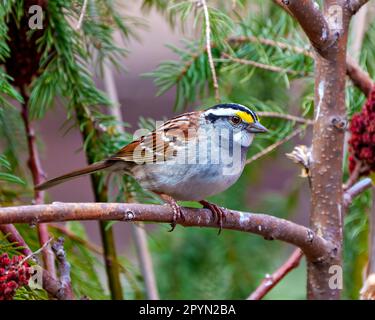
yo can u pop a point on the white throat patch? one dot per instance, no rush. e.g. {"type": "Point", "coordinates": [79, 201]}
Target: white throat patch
{"type": "Point", "coordinates": [243, 138]}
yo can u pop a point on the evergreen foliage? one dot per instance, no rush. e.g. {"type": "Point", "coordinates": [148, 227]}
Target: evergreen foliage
{"type": "Point", "coordinates": [196, 264]}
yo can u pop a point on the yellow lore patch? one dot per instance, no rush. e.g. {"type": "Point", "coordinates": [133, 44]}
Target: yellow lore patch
{"type": "Point", "coordinates": [245, 116]}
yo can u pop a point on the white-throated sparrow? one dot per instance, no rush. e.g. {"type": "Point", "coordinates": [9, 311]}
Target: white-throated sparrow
{"type": "Point", "coordinates": [189, 157]}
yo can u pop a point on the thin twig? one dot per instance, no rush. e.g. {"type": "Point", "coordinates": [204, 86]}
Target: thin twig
{"type": "Point", "coordinates": [359, 77]}
{"type": "Point", "coordinates": [354, 175]}
{"type": "Point", "coordinates": [358, 33]}
{"type": "Point", "coordinates": [50, 284]}
{"type": "Point", "coordinates": [355, 5]}
{"type": "Point", "coordinates": [271, 114]}
{"type": "Point", "coordinates": [209, 51]}
{"type": "Point", "coordinates": [359, 168]}
{"type": "Point", "coordinates": [82, 15]}
{"type": "Point", "coordinates": [32, 254]}
{"type": "Point", "coordinates": [90, 246]}
{"type": "Point", "coordinates": [145, 261]}
{"type": "Point", "coordinates": [312, 21]}
{"type": "Point", "coordinates": [65, 231]}
{"type": "Point", "coordinates": [355, 190]}
{"type": "Point", "coordinates": [262, 65]}
{"type": "Point", "coordinates": [275, 145]}
{"type": "Point", "coordinates": [271, 43]}
{"type": "Point", "coordinates": [38, 175]}
{"type": "Point", "coordinates": [14, 237]}
{"type": "Point", "coordinates": [270, 281]}
{"type": "Point", "coordinates": [63, 267]}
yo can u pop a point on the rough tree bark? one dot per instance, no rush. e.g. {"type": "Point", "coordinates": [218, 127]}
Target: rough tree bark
{"type": "Point", "coordinates": [271, 228]}
{"type": "Point", "coordinates": [327, 30]}
{"type": "Point", "coordinates": [327, 153]}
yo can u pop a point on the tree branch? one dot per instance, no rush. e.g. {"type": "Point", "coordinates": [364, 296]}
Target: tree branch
{"type": "Point", "coordinates": [275, 145]}
{"type": "Point", "coordinates": [301, 155]}
{"type": "Point", "coordinates": [357, 33]}
{"type": "Point", "coordinates": [359, 77]}
{"type": "Point", "coordinates": [97, 250]}
{"type": "Point", "coordinates": [270, 227]}
{"type": "Point", "coordinates": [355, 190]}
{"type": "Point", "coordinates": [271, 43]}
{"type": "Point", "coordinates": [312, 21]}
{"type": "Point", "coordinates": [329, 38]}
{"type": "Point", "coordinates": [285, 116]}
{"type": "Point", "coordinates": [270, 281]}
{"type": "Point", "coordinates": [355, 5]}
{"type": "Point", "coordinates": [209, 51]}
{"type": "Point", "coordinates": [263, 66]}
{"type": "Point", "coordinates": [13, 236]}
{"type": "Point", "coordinates": [145, 261]}
{"type": "Point", "coordinates": [37, 173]}
{"type": "Point", "coordinates": [53, 286]}
{"type": "Point", "coordinates": [82, 15]}
{"type": "Point", "coordinates": [63, 267]}
{"type": "Point", "coordinates": [50, 284]}
{"type": "Point", "coordinates": [71, 235]}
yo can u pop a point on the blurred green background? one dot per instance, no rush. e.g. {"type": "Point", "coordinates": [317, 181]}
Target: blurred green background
{"type": "Point", "coordinates": [157, 50]}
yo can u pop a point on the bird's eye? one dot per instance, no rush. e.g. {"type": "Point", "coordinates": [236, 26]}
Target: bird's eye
{"type": "Point", "coordinates": [236, 120]}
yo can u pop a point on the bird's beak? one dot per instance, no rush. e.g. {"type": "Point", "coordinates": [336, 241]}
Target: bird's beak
{"type": "Point", "coordinates": [256, 127]}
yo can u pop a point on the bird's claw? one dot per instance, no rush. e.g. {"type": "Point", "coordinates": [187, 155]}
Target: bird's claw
{"type": "Point", "coordinates": [217, 211]}
{"type": "Point", "coordinates": [177, 214]}
{"type": "Point", "coordinates": [177, 210]}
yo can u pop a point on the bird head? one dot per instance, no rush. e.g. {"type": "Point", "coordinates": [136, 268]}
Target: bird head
{"type": "Point", "coordinates": [238, 119]}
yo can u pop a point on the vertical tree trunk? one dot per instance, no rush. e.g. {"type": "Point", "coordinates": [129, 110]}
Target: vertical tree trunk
{"type": "Point", "coordinates": [324, 277]}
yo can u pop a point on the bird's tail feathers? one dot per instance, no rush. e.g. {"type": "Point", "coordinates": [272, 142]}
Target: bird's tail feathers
{"type": "Point", "coordinates": [76, 173]}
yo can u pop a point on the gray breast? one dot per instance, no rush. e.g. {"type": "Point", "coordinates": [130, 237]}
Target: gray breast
{"type": "Point", "coordinates": [191, 181]}
{"type": "Point", "coordinates": [185, 182]}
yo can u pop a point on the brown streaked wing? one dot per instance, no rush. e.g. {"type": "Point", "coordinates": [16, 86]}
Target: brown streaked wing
{"type": "Point", "coordinates": [163, 143]}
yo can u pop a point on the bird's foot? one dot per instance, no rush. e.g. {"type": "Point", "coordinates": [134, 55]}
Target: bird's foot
{"type": "Point", "coordinates": [217, 211]}
{"type": "Point", "coordinates": [177, 210]}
